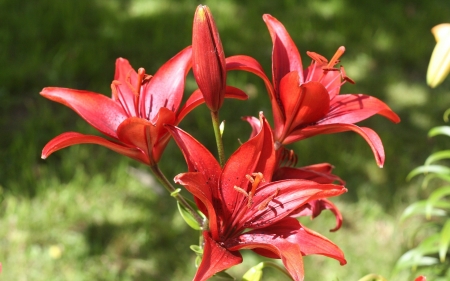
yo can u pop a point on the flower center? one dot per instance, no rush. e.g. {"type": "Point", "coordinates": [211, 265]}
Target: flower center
{"type": "Point", "coordinates": [132, 107]}
{"type": "Point", "coordinates": [255, 179]}
{"type": "Point", "coordinates": [320, 62]}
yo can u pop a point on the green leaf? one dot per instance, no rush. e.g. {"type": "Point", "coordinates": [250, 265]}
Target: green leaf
{"type": "Point", "coordinates": [446, 114]}
{"type": "Point", "coordinates": [439, 193]}
{"type": "Point", "coordinates": [441, 130]}
{"type": "Point", "coordinates": [187, 216]}
{"type": "Point", "coordinates": [420, 208]}
{"type": "Point", "coordinates": [196, 249]}
{"type": "Point", "coordinates": [440, 155]}
{"type": "Point", "coordinates": [255, 273]}
{"type": "Point", "coordinates": [436, 169]}
{"type": "Point", "coordinates": [444, 240]}
{"type": "Point", "coordinates": [413, 259]}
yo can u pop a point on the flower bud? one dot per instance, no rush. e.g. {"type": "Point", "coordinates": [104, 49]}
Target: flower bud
{"type": "Point", "coordinates": [208, 58]}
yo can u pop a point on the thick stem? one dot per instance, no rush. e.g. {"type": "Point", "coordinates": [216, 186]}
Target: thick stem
{"type": "Point", "coordinates": [169, 187]}
{"type": "Point", "coordinates": [218, 135]}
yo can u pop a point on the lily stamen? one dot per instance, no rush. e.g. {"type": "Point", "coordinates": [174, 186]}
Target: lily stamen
{"type": "Point", "coordinates": [255, 182]}
{"type": "Point", "coordinates": [240, 190]}
{"type": "Point", "coordinates": [266, 202]}
{"type": "Point", "coordinates": [335, 59]}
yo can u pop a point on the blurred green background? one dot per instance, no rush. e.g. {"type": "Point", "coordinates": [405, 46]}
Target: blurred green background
{"type": "Point", "coordinates": [89, 214]}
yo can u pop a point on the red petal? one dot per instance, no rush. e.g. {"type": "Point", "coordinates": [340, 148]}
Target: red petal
{"type": "Point", "coordinates": [196, 99]}
{"type": "Point", "coordinates": [256, 155]}
{"type": "Point", "coordinates": [355, 108]}
{"type": "Point", "coordinates": [203, 189]}
{"type": "Point", "coordinates": [215, 259]}
{"type": "Point", "coordinates": [314, 208]}
{"type": "Point", "coordinates": [310, 242]}
{"type": "Point", "coordinates": [275, 245]}
{"type": "Point", "coordinates": [369, 135]}
{"type": "Point", "coordinates": [126, 76]}
{"type": "Point", "coordinates": [291, 195]}
{"type": "Point", "coordinates": [421, 278]}
{"type": "Point", "coordinates": [254, 123]}
{"type": "Point", "coordinates": [145, 135]}
{"type": "Point", "coordinates": [200, 160]}
{"type": "Point", "coordinates": [303, 104]}
{"type": "Point", "coordinates": [249, 64]}
{"type": "Point", "coordinates": [320, 173]}
{"type": "Point", "coordinates": [166, 87]}
{"type": "Point", "coordinates": [331, 80]}
{"type": "Point", "coordinates": [72, 138]}
{"type": "Point", "coordinates": [98, 110]}
{"type": "Point", "coordinates": [285, 55]}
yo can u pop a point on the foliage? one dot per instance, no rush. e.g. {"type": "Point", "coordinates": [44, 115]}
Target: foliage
{"type": "Point", "coordinates": [431, 254]}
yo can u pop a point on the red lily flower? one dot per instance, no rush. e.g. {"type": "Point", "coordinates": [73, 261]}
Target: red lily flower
{"type": "Point", "coordinates": [133, 118]}
{"type": "Point", "coordinates": [246, 209]}
{"type": "Point", "coordinates": [208, 58]}
{"type": "Point", "coordinates": [306, 102]}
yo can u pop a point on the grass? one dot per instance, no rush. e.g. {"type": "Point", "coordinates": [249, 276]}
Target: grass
{"type": "Point", "coordinates": [85, 214]}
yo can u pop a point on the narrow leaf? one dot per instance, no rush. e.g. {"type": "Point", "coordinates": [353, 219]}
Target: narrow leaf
{"type": "Point", "coordinates": [444, 154]}
{"type": "Point", "coordinates": [444, 240]}
{"type": "Point", "coordinates": [187, 216]}
{"type": "Point", "coordinates": [441, 130]}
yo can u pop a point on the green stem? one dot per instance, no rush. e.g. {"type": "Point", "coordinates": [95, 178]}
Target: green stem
{"type": "Point", "coordinates": [218, 135]}
{"type": "Point", "coordinates": [173, 192]}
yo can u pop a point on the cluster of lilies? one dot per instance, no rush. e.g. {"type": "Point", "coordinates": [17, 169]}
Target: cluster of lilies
{"type": "Point", "coordinates": [252, 199]}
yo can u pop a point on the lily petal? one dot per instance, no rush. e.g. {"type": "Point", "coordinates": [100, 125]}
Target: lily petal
{"type": "Point", "coordinates": [314, 208]}
{"type": "Point", "coordinates": [249, 64]}
{"type": "Point", "coordinates": [369, 135]}
{"type": "Point", "coordinates": [303, 104]}
{"type": "Point", "coordinates": [145, 135]}
{"type": "Point", "coordinates": [309, 241]}
{"type": "Point", "coordinates": [355, 108]}
{"type": "Point", "coordinates": [72, 138]}
{"type": "Point", "coordinates": [320, 173]}
{"type": "Point", "coordinates": [166, 87]}
{"type": "Point", "coordinates": [125, 76]}
{"type": "Point", "coordinates": [200, 188]}
{"type": "Point", "coordinates": [200, 161]}
{"type": "Point", "coordinates": [285, 55]}
{"type": "Point", "coordinates": [101, 112]}
{"type": "Point", "coordinates": [215, 259]}
{"type": "Point", "coordinates": [273, 242]}
{"type": "Point", "coordinates": [290, 196]}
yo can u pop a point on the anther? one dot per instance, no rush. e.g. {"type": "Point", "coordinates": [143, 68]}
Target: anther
{"type": "Point", "coordinates": [335, 59]}
{"type": "Point", "coordinates": [240, 190]}
{"type": "Point", "coordinates": [316, 57]}
{"type": "Point", "coordinates": [266, 202]}
{"type": "Point", "coordinates": [345, 77]}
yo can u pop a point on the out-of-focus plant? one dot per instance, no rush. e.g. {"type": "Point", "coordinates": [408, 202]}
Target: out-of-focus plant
{"type": "Point", "coordinates": [431, 253]}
